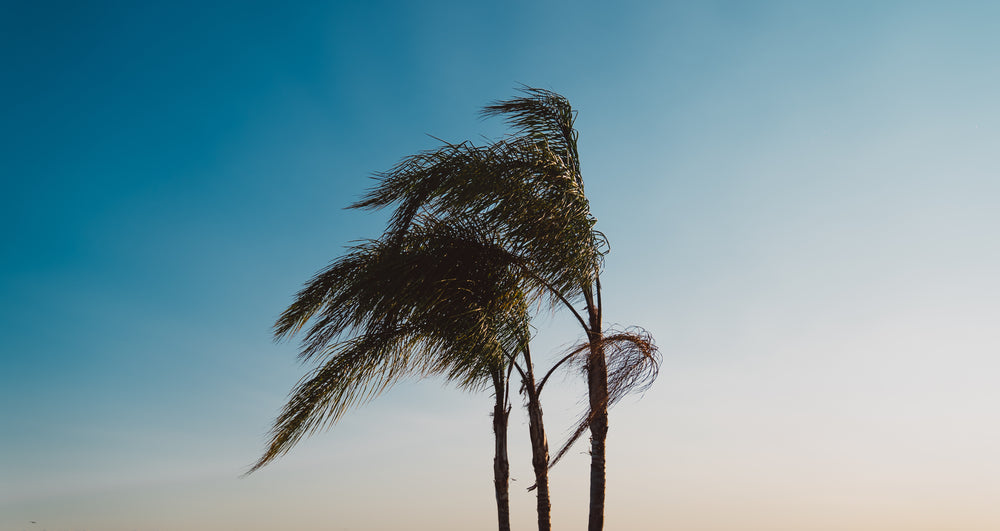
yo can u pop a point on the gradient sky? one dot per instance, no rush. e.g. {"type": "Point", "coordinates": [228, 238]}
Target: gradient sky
{"type": "Point", "coordinates": [801, 199]}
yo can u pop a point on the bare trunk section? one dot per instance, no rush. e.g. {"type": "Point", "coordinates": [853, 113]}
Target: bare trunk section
{"type": "Point", "coordinates": [598, 378]}
{"type": "Point", "coordinates": [501, 467]}
{"type": "Point", "coordinates": [539, 455]}
{"type": "Point", "coordinates": [597, 384]}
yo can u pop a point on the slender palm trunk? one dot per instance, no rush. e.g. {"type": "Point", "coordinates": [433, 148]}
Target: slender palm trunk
{"type": "Point", "coordinates": [598, 379]}
{"type": "Point", "coordinates": [539, 450]}
{"type": "Point", "coordinates": [597, 384]}
{"type": "Point", "coordinates": [501, 467]}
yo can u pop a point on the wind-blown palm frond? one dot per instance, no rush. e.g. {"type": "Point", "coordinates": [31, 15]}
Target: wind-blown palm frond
{"type": "Point", "coordinates": [517, 188]}
{"type": "Point", "coordinates": [633, 365]}
{"type": "Point", "coordinates": [435, 270]}
{"type": "Point", "coordinates": [357, 371]}
{"type": "Point", "coordinates": [442, 299]}
{"type": "Point", "coordinates": [544, 115]}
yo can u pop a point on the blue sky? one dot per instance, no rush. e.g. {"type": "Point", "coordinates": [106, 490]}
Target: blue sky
{"type": "Point", "coordinates": [800, 198]}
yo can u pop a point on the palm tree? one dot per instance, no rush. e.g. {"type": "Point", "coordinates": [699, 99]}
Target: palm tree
{"type": "Point", "coordinates": [479, 234]}
{"type": "Point", "coordinates": [436, 300]}
{"type": "Point", "coordinates": [529, 189]}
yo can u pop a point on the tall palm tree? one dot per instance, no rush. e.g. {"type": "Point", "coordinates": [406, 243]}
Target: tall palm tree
{"type": "Point", "coordinates": [529, 189]}
{"type": "Point", "coordinates": [478, 235]}
{"type": "Point", "coordinates": [436, 300]}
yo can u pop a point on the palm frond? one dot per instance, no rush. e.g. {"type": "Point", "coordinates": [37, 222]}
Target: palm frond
{"type": "Point", "coordinates": [359, 371]}
{"type": "Point", "coordinates": [442, 299]}
{"type": "Point", "coordinates": [517, 188]}
{"type": "Point", "coordinates": [633, 362]}
{"type": "Point", "coordinates": [544, 115]}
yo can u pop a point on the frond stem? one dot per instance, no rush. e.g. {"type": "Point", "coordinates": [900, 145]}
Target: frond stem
{"type": "Point", "coordinates": [600, 305]}
{"type": "Point", "coordinates": [519, 262]}
{"type": "Point", "coordinates": [560, 362]}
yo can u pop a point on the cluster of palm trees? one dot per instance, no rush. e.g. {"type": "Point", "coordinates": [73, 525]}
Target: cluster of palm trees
{"type": "Point", "coordinates": [479, 237]}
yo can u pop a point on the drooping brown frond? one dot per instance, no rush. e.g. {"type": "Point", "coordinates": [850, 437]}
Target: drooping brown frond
{"type": "Point", "coordinates": [633, 362]}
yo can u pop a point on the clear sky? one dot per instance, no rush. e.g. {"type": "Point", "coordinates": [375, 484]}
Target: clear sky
{"type": "Point", "coordinates": [801, 199]}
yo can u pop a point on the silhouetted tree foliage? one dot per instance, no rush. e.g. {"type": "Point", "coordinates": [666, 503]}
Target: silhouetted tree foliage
{"type": "Point", "coordinates": [478, 236]}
